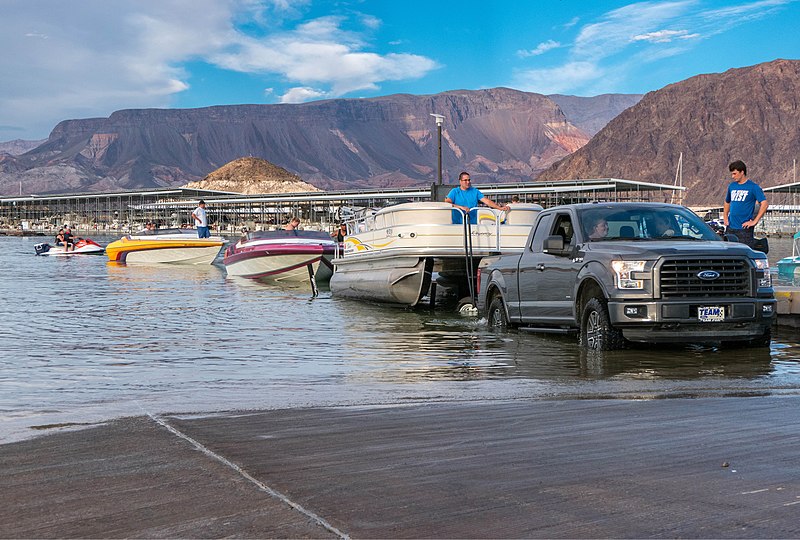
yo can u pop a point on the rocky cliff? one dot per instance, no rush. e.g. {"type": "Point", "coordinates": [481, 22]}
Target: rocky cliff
{"type": "Point", "coordinates": [497, 134]}
{"type": "Point", "coordinates": [591, 114]}
{"type": "Point", "coordinates": [751, 113]}
{"type": "Point", "coordinates": [253, 176]}
{"type": "Point", "coordinates": [18, 146]}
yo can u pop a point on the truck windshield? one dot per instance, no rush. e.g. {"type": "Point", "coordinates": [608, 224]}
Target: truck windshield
{"type": "Point", "coordinates": [644, 223]}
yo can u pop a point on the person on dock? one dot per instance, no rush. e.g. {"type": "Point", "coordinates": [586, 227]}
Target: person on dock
{"type": "Point", "coordinates": [293, 224]}
{"type": "Point", "coordinates": [739, 210]}
{"type": "Point", "coordinates": [465, 196]}
{"type": "Point", "coordinates": [201, 220]}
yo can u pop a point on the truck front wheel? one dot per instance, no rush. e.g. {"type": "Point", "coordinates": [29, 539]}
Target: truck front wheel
{"type": "Point", "coordinates": [763, 341]}
{"type": "Point", "coordinates": [497, 314]}
{"type": "Point", "coordinates": [596, 330]}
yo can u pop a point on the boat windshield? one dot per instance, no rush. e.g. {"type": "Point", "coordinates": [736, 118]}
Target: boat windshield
{"type": "Point", "coordinates": [316, 235]}
{"type": "Point", "coordinates": [644, 223]}
{"type": "Point", "coordinates": [165, 232]}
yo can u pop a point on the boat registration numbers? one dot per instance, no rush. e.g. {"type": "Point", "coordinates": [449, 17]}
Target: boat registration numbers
{"type": "Point", "coordinates": [711, 313]}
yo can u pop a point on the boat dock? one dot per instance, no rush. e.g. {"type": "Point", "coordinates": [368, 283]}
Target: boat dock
{"type": "Point", "coordinates": [230, 212]}
{"type": "Point", "coordinates": [788, 307]}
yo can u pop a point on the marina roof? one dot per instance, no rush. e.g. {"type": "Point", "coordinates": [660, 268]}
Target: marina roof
{"type": "Point", "coordinates": [165, 192]}
{"type": "Point", "coordinates": [784, 188]}
{"type": "Point", "coordinates": [222, 197]}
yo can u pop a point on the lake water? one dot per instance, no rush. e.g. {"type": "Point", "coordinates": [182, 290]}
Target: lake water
{"type": "Point", "coordinates": [84, 341]}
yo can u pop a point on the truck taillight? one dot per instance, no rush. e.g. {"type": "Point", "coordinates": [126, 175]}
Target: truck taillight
{"type": "Point", "coordinates": [478, 281]}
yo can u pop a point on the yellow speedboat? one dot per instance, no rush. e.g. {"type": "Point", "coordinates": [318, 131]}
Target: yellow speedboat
{"type": "Point", "coordinates": [171, 246]}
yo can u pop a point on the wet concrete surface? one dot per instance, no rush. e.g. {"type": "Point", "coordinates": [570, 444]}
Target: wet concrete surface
{"type": "Point", "coordinates": [664, 468]}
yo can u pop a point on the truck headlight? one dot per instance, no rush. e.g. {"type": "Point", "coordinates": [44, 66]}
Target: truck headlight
{"type": "Point", "coordinates": [624, 271]}
{"type": "Point", "coordinates": [766, 280]}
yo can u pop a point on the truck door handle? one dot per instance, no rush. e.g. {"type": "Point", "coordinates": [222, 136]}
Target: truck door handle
{"type": "Point", "coordinates": [540, 267]}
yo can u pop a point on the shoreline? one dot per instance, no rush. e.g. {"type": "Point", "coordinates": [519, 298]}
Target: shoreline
{"type": "Point", "coordinates": [693, 468]}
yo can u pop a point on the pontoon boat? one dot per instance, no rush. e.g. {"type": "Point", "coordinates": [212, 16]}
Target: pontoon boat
{"type": "Point", "coordinates": [393, 255]}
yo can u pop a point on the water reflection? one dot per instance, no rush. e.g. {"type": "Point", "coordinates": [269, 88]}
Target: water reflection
{"type": "Point", "coordinates": [86, 339]}
{"type": "Point", "coordinates": [426, 346]}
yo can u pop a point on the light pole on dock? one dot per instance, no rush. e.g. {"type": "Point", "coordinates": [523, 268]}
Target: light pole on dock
{"type": "Point", "coordinates": [439, 121]}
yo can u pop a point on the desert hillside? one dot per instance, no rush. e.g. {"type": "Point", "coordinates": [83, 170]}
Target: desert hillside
{"type": "Point", "coordinates": [252, 176]}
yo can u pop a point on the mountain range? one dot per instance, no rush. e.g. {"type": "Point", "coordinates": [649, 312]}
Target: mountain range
{"type": "Point", "coordinates": [751, 113]}
{"type": "Point", "coordinates": [498, 134]}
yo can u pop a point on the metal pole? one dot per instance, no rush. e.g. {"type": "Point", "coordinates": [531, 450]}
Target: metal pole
{"type": "Point", "coordinates": [439, 121]}
{"type": "Point", "coordinates": [439, 126]}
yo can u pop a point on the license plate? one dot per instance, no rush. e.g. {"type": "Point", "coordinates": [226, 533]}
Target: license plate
{"type": "Point", "coordinates": [711, 313]}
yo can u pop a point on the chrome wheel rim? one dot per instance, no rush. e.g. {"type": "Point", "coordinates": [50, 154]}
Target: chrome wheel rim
{"type": "Point", "coordinates": [594, 334]}
{"type": "Point", "coordinates": [497, 317]}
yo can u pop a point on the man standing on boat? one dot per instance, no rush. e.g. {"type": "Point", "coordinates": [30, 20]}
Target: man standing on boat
{"type": "Point", "coordinates": [739, 210]}
{"type": "Point", "coordinates": [201, 220]}
{"type": "Point", "coordinates": [465, 197]}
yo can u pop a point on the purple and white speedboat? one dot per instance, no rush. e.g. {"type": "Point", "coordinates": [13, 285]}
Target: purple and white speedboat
{"type": "Point", "coordinates": [282, 256]}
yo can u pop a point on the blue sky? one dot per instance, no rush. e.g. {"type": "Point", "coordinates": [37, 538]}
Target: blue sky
{"type": "Point", "coordinates": [88, 58]}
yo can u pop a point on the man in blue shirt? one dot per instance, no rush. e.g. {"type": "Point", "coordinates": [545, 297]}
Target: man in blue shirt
{"type": "Point", "coordinates": [739, 210]}
{"type": "Point", "coordinates": [465, 197]}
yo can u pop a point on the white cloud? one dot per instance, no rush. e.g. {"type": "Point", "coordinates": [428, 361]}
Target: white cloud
{"type": "Point", "coordinates": [318, 52]}
{"type": "Point", "coordinates": [301, 94]}
{"type": "Point", "coordinates": [601, 52]}
{"type": "Point", "coordinates": [613, 32]}
{"type": "Point", "coordinates": [558, 79]}
{"type": "Point", "coordinates": [750, 11]}
{"type": "Point", "coordinates": [99, 56]}
{"type": "Point", "coordinates": [371, 22]}
{"type": "Point", "coordinates": [664, 36]}
{"type": "Point", "coordinates": [541, 48]}
{"type": "Point", "coordinates": [82, 59]}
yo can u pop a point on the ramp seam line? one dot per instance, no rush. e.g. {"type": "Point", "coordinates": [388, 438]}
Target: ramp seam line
{"type": "Point", "coordinates": [262, 486]}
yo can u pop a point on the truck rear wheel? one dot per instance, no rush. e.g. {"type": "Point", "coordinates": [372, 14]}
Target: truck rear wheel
{"type": "Point", "coordinates": [497, 314]}
{"type": "Point", "coordinates": [596, 330]}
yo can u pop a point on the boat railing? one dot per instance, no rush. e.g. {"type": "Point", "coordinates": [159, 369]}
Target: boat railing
{"type": "Point", "coordinates": [445, 214]}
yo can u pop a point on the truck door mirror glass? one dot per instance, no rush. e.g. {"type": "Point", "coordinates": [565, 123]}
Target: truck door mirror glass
{"type": "Point", "coordinates": [554, 245]}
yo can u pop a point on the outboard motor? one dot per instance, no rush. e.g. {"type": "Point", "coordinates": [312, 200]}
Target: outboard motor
{"type": "Point", "coordinates": [42, 248]}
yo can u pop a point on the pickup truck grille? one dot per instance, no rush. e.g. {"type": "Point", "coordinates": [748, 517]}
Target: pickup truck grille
{"type": "Point", "coordinates": [678, 278]}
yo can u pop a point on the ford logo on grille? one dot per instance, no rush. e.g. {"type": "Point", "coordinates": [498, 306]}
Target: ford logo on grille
{"type": "Point", "coordinates": [708, 275]}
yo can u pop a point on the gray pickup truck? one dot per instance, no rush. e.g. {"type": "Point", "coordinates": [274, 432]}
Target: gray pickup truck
{"type": "Point", "coordinates": [640, 272]}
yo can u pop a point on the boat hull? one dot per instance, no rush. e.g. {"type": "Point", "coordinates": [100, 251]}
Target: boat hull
{"type": "Point", "coordinates": [399, 280]}
{"type": "Point", "coordinates": [84, 247]}
{"type": "Point", "coordinates": [288, 268]}
{"type": "Point", "coordinates": [280, 257]}
{"type": "Point", "coordinates": [789, 270]}
{"type": "Point", "coordinates": [164, 251]}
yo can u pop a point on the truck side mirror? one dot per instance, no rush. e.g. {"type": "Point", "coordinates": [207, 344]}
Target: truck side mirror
{"type": "Point", "coordinates": [728, 237]}
{"type": "Point", "coordinates": [554, 245]}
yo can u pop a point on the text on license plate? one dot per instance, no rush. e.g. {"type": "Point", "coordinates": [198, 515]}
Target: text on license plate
{"type": "Point", "coordinates": [711, 313]}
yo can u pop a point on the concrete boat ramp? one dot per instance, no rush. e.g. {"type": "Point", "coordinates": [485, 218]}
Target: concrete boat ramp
{"type": "Point", "coordinates": [721, 467]}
